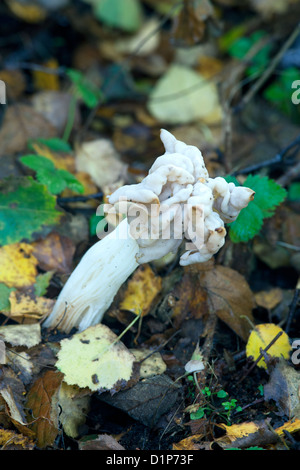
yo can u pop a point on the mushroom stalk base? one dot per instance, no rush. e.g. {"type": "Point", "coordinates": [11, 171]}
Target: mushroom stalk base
{"type": "Point", "coordinates": [92, 286]}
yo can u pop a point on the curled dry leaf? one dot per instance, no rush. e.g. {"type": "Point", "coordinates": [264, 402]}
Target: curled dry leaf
{"type": "Point", "coordinates": [96, 359]}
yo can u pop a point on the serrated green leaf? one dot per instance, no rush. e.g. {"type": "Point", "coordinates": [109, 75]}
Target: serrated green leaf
{"type": "Point", "coordinates": [55, 179]}
{"type": "Point", "coordinates": [26, 207]}
{"type": "Point", "coordinates": [268, 193]}
{"type": "Point", "coordinates": [247, 225]}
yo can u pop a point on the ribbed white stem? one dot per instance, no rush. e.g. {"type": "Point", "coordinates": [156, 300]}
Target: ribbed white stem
{"type": "Point", "coordinates": [92, 286]}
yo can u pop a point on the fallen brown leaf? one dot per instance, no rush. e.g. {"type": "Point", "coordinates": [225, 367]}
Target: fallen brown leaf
{"type": "Point", "coordinates": [43, 414]}
{"type": "Point", "coordinates": [54, 253]}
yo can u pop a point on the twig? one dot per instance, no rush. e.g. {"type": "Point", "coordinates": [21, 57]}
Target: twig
{"type": "Point", "coordinates": [260, 356]}
{"type": "Point", "coordinates": [67, 200]}
{"type": "Point", "coordinates": [292, 310]}
{"type": "Point", "coordinates": [259, 83]}
{"type": "Point", "coordinates": [279, 157]}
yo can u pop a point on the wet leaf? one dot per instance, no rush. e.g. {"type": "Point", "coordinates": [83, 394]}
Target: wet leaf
{"type": "Point", "coordinates": [152, 365]}
{"type": "Point", "coordinates": [26, 207]}
{"type": "Point", "coordinates": [101, 442]}
{"type": "Point", "coordinates": [141, 291]}
{"type": "Point", "coordinates": [95, 359]}
{"type": "Point", "coordinates": [39, 402]}
{"type": "Point", "coordinates": [190, 443]}
{"type": "Point", "coordinates": [260, 338]}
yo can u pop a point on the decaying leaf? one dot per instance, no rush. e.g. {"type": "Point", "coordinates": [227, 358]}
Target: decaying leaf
{"type": "Point", "coordinates": [10, 440]}
{"type": "Point", "coordinates": [283, 388]}
{"type": "Point", "coordinates": [182, 95]}
{"type": "Point", "coordinates": [21, 335]}
{"type": "Point", "coordinates": [101, 442]}
{"type": "Point", "coordinates": [101, 161]}
{"type": "Point", "coordinates": [27, 308]}
{"type": "Point", "coordinates": [54, 253]}
{"type": "Point", "coordinates": [21, 364]}
{"type": "Point", "coordinates": [261, 336]}
{"type": "Point", "coordinates": [95, 359]}
{"type": "Point", "coordinates": [21, 123]}
{"type": "Point", "coordinates": [18, 265]}
{"type": "Point", "coordinates": [43, 414]}
{"type": "Point", "coordinates": [152, 365]}
{"type": "Point", "coordinates": [231, 298]}
{"type": "Point", "coordinates": [141, 291]}
{"type": "Point", "coordinates": [74, 408]}
{"type": "Point", "coordinates": [269, 299]}
{"type": "Point", "coordinates": [190, 443]}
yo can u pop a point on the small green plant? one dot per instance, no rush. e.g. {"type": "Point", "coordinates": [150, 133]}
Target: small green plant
{"type": "Point", "coordinates": [223, 409]}
{"type": "Point", "coordinates": [55, 179]}
{"type": "Point", "coordinates": [268, 196]}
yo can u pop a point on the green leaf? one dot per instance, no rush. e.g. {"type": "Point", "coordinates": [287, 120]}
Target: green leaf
{"type": "Point", "coordinates": [243, 45]}
{"type": "Point", "coordinates": [222, 394]}
{"type": "Point", "coordinates": [198, 414]}
{"type": "Point", "coordinates": [4, 297]}
{"type": "Point", "coordinates": [247, 225]}
{"type": "Point", "coordinates": [84, 89]}
{"type": "Point", "coordinates": [42, 283]}
{"type": "Point", "coordinates": [54, 143]}
{"type": "Point", "coordinates": [56, 180]}
{"type": "Point", "coordinates": [268, 195]}
{"type": "Point", "coordinates": [294, 192]}
{"type": "Point", "coordinates": [122, 14]}
{"type": "Point", "coordinates": [26, 207]}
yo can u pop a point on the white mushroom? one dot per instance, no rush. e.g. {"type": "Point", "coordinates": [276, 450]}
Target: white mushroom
{"type": "Point", "coordinates": [175, 202]}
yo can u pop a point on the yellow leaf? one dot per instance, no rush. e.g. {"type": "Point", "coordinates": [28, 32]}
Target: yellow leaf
{"type": "Point", "coordinates": [236, 431]}
{"type": "Point", "coordinates": [26, 308]}
{"type": "Point", "coordinates": [141, 291]}
{"type": "Point", "coordinates": [290, 426]}
{"type": "Point", "coordinates": [47, 80]}
{"type": "Point", "coordinates": [30, 12]}
{"type": "Point", "coordinates": [18, 266]}
{"type": "Point", "coordinates": [95, 359]}
{"type": "Point", "coordinates": [189, 443]}
{"type": "Point", "coordinates": [261, 336]}
{"type": "Point", "coordinates": [11, 438]}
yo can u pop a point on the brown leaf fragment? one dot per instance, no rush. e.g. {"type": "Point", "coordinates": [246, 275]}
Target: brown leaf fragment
{"type": "Point", "coordinates": [21, 123]}
{"type": "Point", "coordinates": [231, 298]}
{"type": "Point", "coordinates": [283, 388]}
{"type": "Point", "coordinates": [247, 434]}
{"type": "Point", "coordinates": [190, 443]}
{"type": "Point", "coordinates": [43, 415]}
{"type": "Point", "coordinates": [102, 442]}
{"type": "Point", "coordinates": [54, 253]}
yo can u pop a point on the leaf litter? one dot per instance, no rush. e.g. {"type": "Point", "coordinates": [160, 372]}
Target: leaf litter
{"type": "Point", "coordinates": [74, 130]}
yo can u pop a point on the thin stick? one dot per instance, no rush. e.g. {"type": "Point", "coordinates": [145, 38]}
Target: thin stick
{"type": "Point", "coordinates": [260, 356]}
{"type": "Point", "coordinates": [259, 83]}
